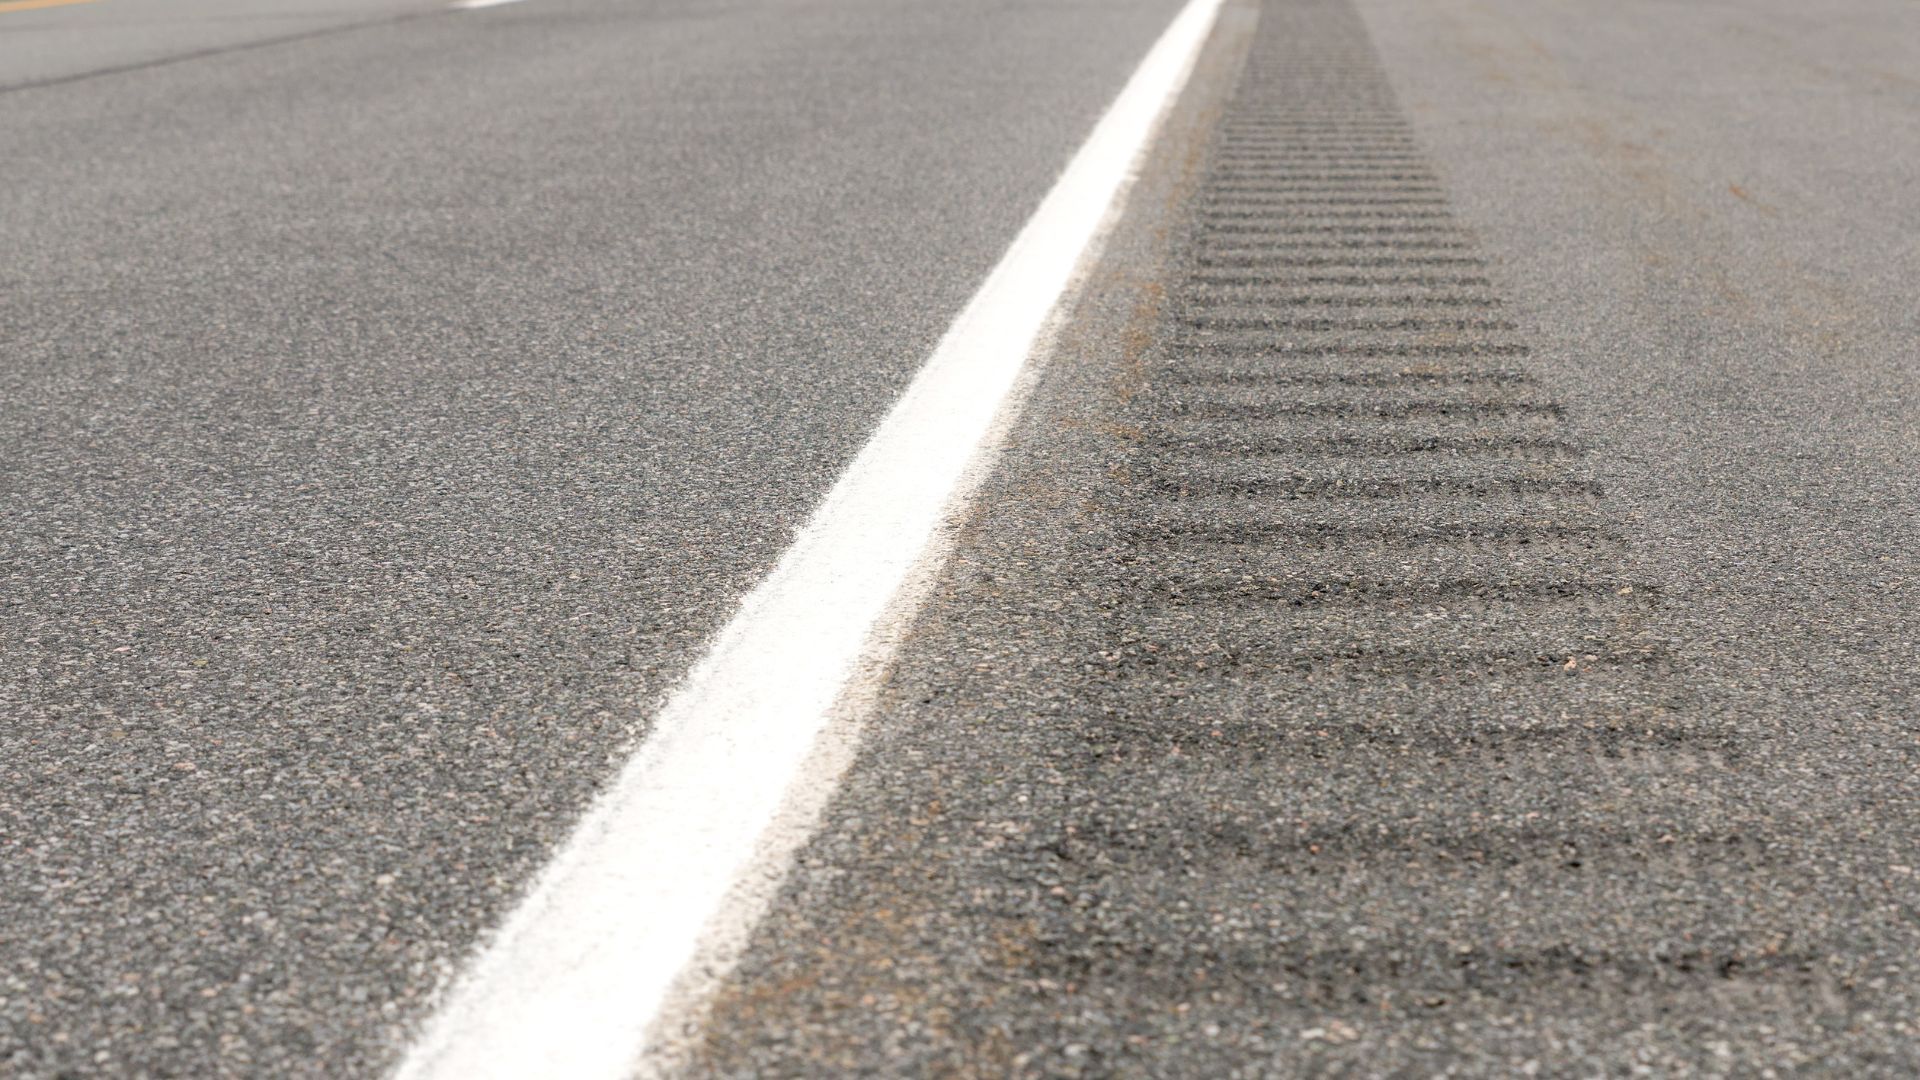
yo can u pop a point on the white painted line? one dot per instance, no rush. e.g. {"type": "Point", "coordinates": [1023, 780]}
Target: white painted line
{"type": "Point", "coordinates": [469, 5]}
{"type": "Point", "coordinates": [674, 862]}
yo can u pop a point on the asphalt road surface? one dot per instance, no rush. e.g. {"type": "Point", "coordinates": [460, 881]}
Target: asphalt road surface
{"type": "Point", "coordinates": [391, 413]}
{"type": "Point", "coordinates": [1448, 606]}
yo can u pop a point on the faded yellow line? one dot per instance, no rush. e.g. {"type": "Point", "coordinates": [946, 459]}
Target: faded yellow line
{"type": "Point", "coordinates": [29, 5]}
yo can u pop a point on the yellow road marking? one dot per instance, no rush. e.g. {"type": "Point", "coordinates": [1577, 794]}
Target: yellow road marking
{"type": "Point", "coordinates": [29, 5]}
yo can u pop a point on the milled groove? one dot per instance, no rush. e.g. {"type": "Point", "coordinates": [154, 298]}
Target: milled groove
{"type": "Point", "coordinates": [1213, 350]}
{"type": "Point", "coordinates": [1215, 300]}
{"type": "Point", "coordinates": [1584, 557]}
{"type": "Point", "coordinates": [1330, 262]}
{"type": "Point", "coordinates": [1262, 198]}
{"type": "Point", "coordinates": [1589, 656]}
{"type": "Point", "coordinates": [1250, 225]}
{"type": "Point", "coordinates": [1294, 168]}
{"type": "Point", "coordinates": [1393, 410]}
{"type": "Point", "coordinates": [1231, 149]}
{"type": "Point", "coordinates": [1459, 673]}
{"type": "Point", "coordinates": [1396, 137]}
{"type": "Point", "coordinates": [1259, 246]}
{"type": "Point", "coordinates": [1256, 381]}
{"type": "Point", "coordinates": [1293, 149]}
{"type": "Point", "coordinates": [1322, 208]}
{"type": "Point", "coordinates": [1235, 847]}
{"type": "Point", "coordinates": [1202, 431]}
{"type": "Point", "coordinates": [1224, 238]}
{"type": "Point", "coordinates": [1343, 160]}
{"type": "Point", "coordinates": [1360, 348]}
{"type": "Point", "coordinates": [1290, 171]}
{"type": "Point", "coordinates": [1308, 149]}
{"type": "Point", "coordinates": [1260, 970]}
{"type": "Point", "coordinates": [1297, 486]}
{"type": "Point", "coordinates": [1312, 533]}
{"type": "Point", "coordinates": [1403, 377]}
{"type": "Point", "coordinates": [1575, 594]}
{"type": "Point", "coordinates": [1387, 212]}
{"type": "Point", "coordinates": [1257, 212]}
{"type": "Point", "coordinates": [1355, 280]}
{"type": "Point", "coordinates": [1329, 128]}
{"type": "Point", "coordinates": [1242, 222]}
{"type": "Point", "coordinates": [1385, 143]}
{"type": "Point", "coordinates": [1147, 736]}
{"type": "Point", "coordinates": [1352, 446]}
{"type": "Point", "coordinates": [1236, 182]}
{"type": "Point", "coordinates": [1319, 154]}
{"type": "Point", "coordinates": [1256, 322]}
{"type": "Point", "coordinates": [1262, 232]}
{"type": "Point", "coordinates": [1278, 175]}
{"type": "Point", "coordinates": [1333, 185]}
{"type": "Point", "coordinates": [1230, 835]}
{"type": "Point", "coordinates": [1393, 193]}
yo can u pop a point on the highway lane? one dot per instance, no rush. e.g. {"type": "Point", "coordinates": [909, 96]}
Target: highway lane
{"type": "Point", "coordinates": [51, 40]}
{"type": "Point", "coordinates": [1450, 607]}
{"type": "Point", "coordinates": [390, 415]}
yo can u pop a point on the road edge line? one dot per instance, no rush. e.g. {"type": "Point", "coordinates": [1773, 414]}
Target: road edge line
{"type": "Point", "coordinates": [673, 862]}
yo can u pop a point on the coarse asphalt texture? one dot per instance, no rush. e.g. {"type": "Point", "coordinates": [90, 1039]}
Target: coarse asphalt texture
{"type": "Point", "coordinates": [389, 416]}
{"type": "Point", "coordinates": [80, 39]}
{"type": "Point", "coordinates": [1450, 606]}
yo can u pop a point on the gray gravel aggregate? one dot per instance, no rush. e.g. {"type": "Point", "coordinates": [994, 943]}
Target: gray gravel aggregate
{"type": "Point", "coordinates": [1532, 697]}
{"type": "Point", "coordinates": [390, 415]}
